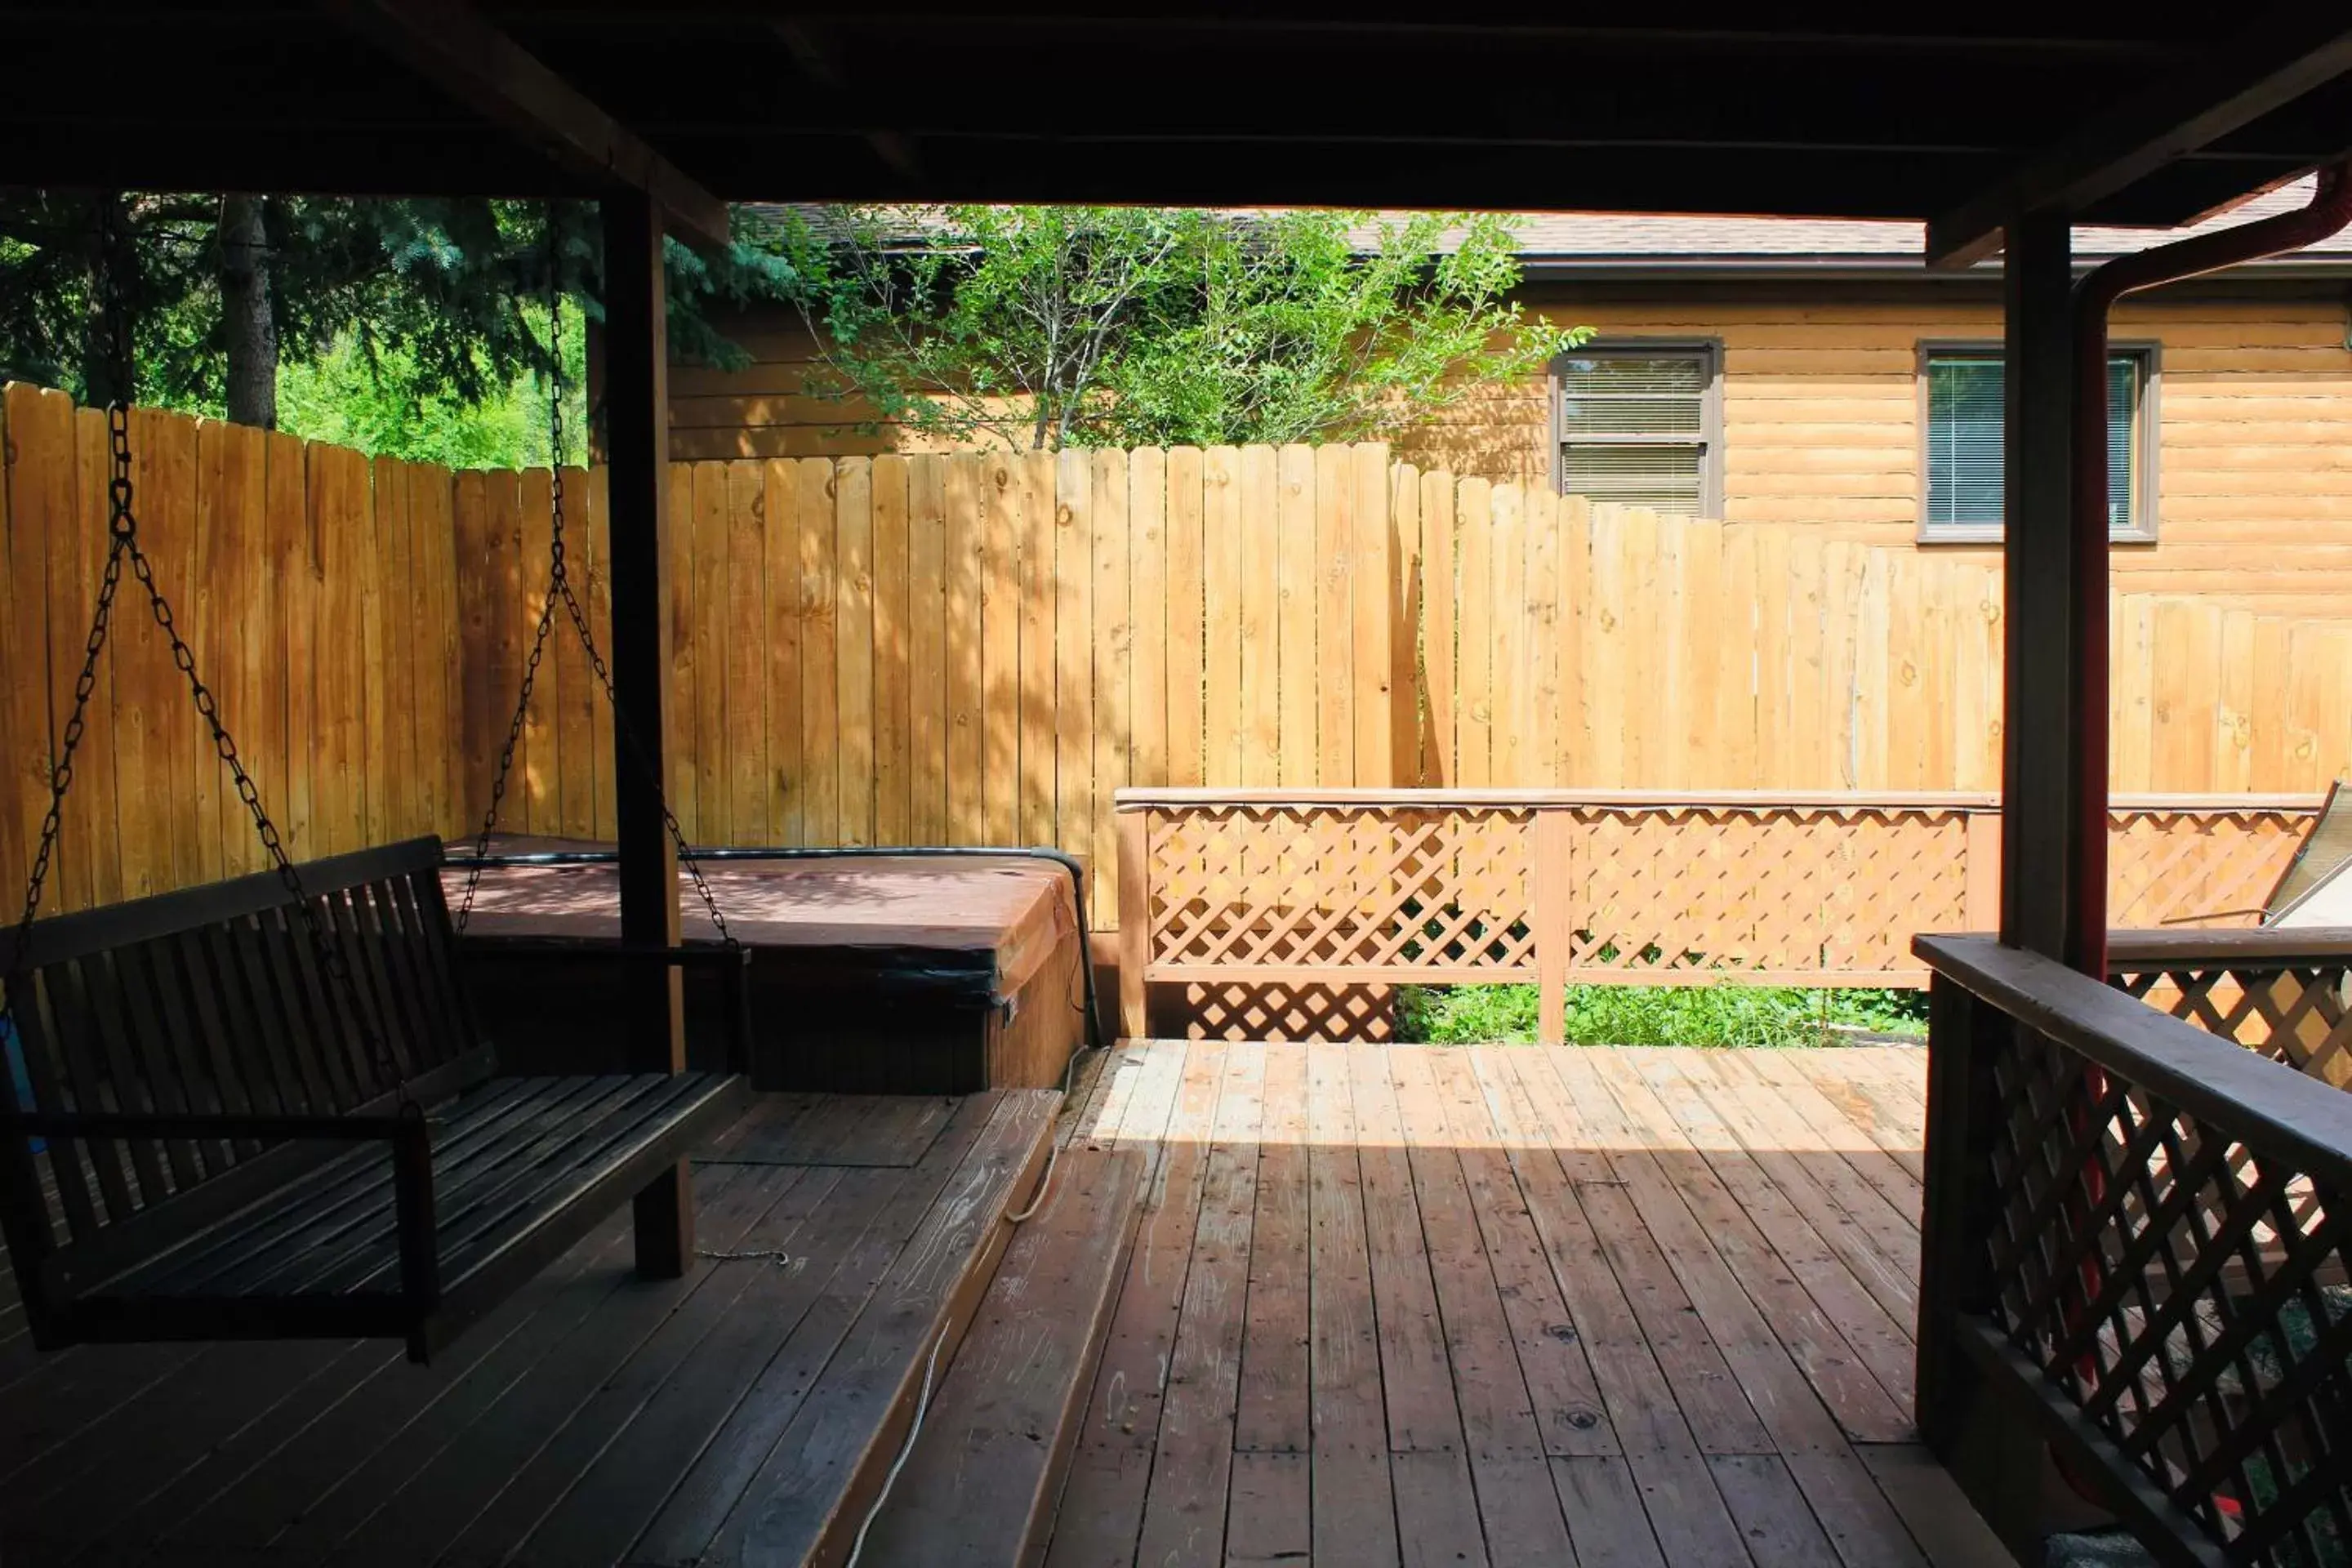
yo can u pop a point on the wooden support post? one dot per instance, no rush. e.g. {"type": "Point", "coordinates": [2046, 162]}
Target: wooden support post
{"type": "Point", "coordinates": [1134, 923]}
{"type": "Point", "coordinates": [637, 404]}
{"type": "Point", "coordinates": [2041, 738]}
{"type": "Point", "coordinates": [1554, 924]}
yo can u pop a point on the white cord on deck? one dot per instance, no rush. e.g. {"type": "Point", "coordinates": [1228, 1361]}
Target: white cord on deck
{"type": "Point", "coordinates": [906, 1449]}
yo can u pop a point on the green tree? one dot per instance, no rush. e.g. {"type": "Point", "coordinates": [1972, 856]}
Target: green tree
{"type": "Point", "coordinates": [1045, 327]}
{"type": "Point", "coordinates": [407, 325]}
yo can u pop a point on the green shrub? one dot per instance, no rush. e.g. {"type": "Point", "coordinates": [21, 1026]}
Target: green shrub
{"type": "Point", "coordinates": [1717, 1014]}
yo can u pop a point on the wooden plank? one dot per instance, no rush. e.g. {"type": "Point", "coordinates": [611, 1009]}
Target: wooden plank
{"type": "Point", "coordinates": [872, 1232]}
{"type": "Point", "coordinates": [1546, 664]}
{"type": "Point", "coordinates": [36, 465]}
{"type": "Point", "coordinates": [712, 712]}
{"type": "Point", "coordinates": [1408, 568]}
{"type": "Point", "coordinates": [980, 1483]}
{"type": "Point", "coordinates": [1222, 611]}
{"type": "Point", "coordinates": [1647, 585]}
{"type": "Point", "coordinates": [1473, 615]}
{"type": "Point", "coordinates": [1074, 651]}
{"type": "Point", "coordinates": [1605, 1515]}
{"type": "Point", "coordinates": [1354, 1505]}
{"type": "Point", "coordinates": [1770, 1511]}
{"type": "Point", "coordinates": [1257, 551]}
{"type": "Point", "coordinates": [1932, 1506]}
{"type": "Point", "coordinates": [924, 652]}
{"type": "Point", "coordinates": [1812, 717]}
{"type": "Point", "coordinates": [606, 747]}
{"type": "Point", "coordinates": [1187, 666]}
{"type": "Point", "coordinates": [204, 610]}
{"type": "Point", "coordinates": [1335, 618]}
{"type": "Point", "coordinates": [964, 488]}
{"type": "Point", "coordinates": [1292, 546]}
{"type": "Point", "coordinates": [820, 662]}
{"type": "Point", "coordinates": [2184, 709]}
{"type": "Point", "coordinates": [1000, 678]}
{"type": "Point", "coordinates": [1033, 475]}
{"type": "Point", "coordinates": [783, 629]}
{"type": "Point", "coordinates": [1698, 649]}
{"type": "Point", "coordinates": [828, 1462]}
{"type": "Point", "coordinates": [1274, 1413]}
{"type": "Point", "coordinates": [1563, 1392]}
{"type": "Point", "coordinates": [1739, 655]}
{"type": "Point", "coordinates": [1913, 708]}
{"type": "Point", "coordinates": [746, 655]}
{"type": "Point", "coordinates": [683, 787]}
{"type": "Point", "coordinates": [854, 636]}
{"type": "Point", "coordinates": [1373, 555]}
{"type": "Point", "coordinates": [1103, 1504]}
{"type": "Point", "coordinates": [1437, 1513]}
{"type": "Point", "coordinates": [2267, 716]}
{"type": "Point", "coordinates": [1518, 1513]}
{"type": "Point", "coordinates": [893, 676]}
{"type": "Point", "coordinates": [1147, 524]}
{"type": "Point", "coordinates": [1438, 593]}
{"type": "Point", "coordinates": [534, 798]}
{"type": "Point", "coordinates": [1114, 691]}
{"type": "Point", "coordinates": [1184, 1509]}
{"type": "Point", "coordinates": [1512, 644]}
{"type": "Point", "coordinates": [1604, 653]}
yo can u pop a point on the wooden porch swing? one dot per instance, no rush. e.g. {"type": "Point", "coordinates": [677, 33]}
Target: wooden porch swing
{"type": "Point", "coordinates": [261, 1109]}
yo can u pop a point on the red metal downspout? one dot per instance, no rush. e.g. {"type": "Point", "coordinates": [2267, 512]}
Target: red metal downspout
{"type": "Point", "coordinates": [2330, 210]}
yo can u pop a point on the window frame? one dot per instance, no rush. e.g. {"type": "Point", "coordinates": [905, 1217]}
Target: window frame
{"type": "Point", "coordinates": [1709, 351]}
{"type": "Point", "coordinates": [2148, 352]}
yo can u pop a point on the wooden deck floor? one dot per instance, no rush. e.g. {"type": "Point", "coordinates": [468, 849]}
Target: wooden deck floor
{"type": "Point", "coordinates": [594, 1417]}
{"type": "Point", "coordinates": [1441, 1305]}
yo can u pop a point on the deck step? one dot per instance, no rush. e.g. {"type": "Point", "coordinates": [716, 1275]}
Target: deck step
{"type": "Point", "coordinates": [979, 1488]}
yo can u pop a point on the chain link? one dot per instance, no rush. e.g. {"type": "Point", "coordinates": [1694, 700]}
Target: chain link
{"type": "Point", "coordinates": [559, 589]}
{"type": "Point", "coordinates": [122, 545]}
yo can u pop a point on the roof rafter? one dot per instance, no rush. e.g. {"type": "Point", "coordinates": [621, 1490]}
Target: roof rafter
{"type": "Point", "coordinates": [2292, 51]}
{"type": "Point", "coordinates": [450, 45]}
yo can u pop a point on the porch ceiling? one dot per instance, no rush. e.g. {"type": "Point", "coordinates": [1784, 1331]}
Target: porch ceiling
{"type": "Point", "coordinates": [1835, 111]}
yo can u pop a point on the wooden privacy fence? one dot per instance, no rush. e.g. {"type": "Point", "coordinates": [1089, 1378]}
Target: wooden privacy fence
{"type": "Point", "coordinates": [985, 648]}
{"type": "Point", "coordinates": [1272, 909]}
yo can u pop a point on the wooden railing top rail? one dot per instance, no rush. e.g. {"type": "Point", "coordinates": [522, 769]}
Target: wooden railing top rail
{"type": "Point", "coordinates": [1726, 799]}
{"type": "Point", "coordinates": [2268, 1107]}
{"type": "Point", "coordinates": [2195, 947]}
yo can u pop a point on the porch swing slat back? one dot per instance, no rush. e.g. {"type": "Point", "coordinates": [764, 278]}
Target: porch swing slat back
{"type": "Point", "coordinates": [221, 1143]}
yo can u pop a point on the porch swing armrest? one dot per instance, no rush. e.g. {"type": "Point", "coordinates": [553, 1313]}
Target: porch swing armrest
{"type": "Point", "coordinates": [731, 966]}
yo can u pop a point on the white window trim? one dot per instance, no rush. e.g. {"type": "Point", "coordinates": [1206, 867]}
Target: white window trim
{"type": "Point", "coordinates": [2151, 353]}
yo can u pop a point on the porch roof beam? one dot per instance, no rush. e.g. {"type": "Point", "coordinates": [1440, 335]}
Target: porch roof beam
{"type": "Point", "coordinates": [451, 45]}
{"type": "Point", "coordinates": [2293, 50]}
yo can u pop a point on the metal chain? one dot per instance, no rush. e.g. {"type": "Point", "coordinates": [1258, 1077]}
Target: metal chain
{"type": "Point", "coordinates": [559, 588]}
{"type": "Point", "coordinates": [122, 530]}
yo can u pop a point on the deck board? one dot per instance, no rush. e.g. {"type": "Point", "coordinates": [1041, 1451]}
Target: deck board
{"type": "Point", "coordinates": [1628, 1309]}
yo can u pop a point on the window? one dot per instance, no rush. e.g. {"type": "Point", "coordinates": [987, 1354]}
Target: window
{"type": "Point", "coordinates": [1640, 425]}
{"type": "Point", "coordinates": [1963, 422]}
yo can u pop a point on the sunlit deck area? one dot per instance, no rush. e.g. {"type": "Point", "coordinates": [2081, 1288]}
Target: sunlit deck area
{"type": "Point", "coordinates": [1515, 1305]}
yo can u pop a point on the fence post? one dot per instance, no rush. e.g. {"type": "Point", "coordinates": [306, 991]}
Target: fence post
{"type": "Point", "coordinates": [1981, 864]}
{"type": "Point", "coordinates": [1554, 925]}
{"type": "Point", "coordinates": [1134, 920]}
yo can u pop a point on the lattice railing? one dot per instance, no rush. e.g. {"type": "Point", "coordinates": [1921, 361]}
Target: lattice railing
{"type": "Point", "coordinates": [1248, 895]}
{"type": "Point", "coordinates": [2286, 993]}
{"type": "Point", "coordinates": [2143, 1231]}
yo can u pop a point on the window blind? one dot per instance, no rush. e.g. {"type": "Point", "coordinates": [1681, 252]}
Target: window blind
{"type": "Point", "coordinates": [1633, 428]}
{"type": "Point", "coordinates": [1965, 440]}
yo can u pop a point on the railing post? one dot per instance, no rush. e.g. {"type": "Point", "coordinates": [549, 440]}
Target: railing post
{"type": "Point", "coordinates": [1554, 923]}
{"type": "Point", "coordinates": [1134, 834]}
{"type": "Point", "coordinates": [1992, 1449]}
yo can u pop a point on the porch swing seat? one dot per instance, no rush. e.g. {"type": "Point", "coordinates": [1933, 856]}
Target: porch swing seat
{"type": "Point", "coordinates": [211, 1150]}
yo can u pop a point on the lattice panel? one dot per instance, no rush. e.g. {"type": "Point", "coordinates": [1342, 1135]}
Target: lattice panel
{"type": "Point", "coordinates": [1290, 888]}
{"type": "Point", "coordinates": [2188, 1291]}
{"type": "Point", "coordinates": [1272, 1010]}
{"type": "Point", "coordinates": [2293, 1011]}
{"type": "Point", "coordinates": [2214, 866]}
{"type": "Point", "coordinates": [1791, 890]}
